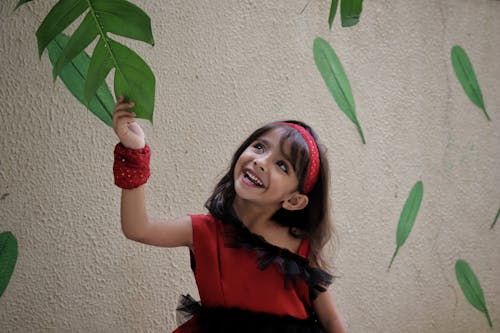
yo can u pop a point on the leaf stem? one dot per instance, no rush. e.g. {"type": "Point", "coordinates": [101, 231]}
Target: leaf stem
{"type": "Point", "coordinates": [488, 318]}
{"type": "Point", "coordinates": [393, 256]}
{"type": "Point", "coordinates": [496, 219]}
{"type": "Point", "coordinates": [360, 132]}
{"type": "Point", "coordinates": [486, 114]}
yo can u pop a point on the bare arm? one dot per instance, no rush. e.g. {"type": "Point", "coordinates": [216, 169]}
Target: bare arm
{"type": "Point", "coordinates": [137, 226]}
{"type": "Point", "coordinates": [135, 222]}
{"type": "Point", "coordinates": [327, 313]}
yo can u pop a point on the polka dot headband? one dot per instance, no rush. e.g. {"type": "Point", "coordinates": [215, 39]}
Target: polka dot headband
{"type": "Point", "coordinates": [314, 162]}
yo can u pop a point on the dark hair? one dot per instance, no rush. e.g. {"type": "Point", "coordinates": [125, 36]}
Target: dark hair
{"type": "Point", "coordinates": [313, 221]}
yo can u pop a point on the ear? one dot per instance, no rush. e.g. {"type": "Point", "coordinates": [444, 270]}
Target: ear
{"type": "Point", "coordinates": [296, 201]}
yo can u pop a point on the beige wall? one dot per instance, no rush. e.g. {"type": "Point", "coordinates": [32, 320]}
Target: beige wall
{"type": "Point", "coordinates": [223, 68]}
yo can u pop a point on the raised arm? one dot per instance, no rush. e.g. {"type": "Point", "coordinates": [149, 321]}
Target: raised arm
{"type": "Point", "coordinates": [136, 224]}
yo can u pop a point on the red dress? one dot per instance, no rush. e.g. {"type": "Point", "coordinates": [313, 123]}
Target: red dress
{"type": "Point", "coordinates": [243, 281]}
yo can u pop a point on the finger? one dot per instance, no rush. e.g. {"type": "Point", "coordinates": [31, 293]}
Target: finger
{"type": "Point", "coordinates": [119, 101]}
{"type": "Point", "coordinates": [124, 115]}
{"type": "Point", "coordinates": [124, 106]}
{"type": "Point", "coordinates": [121, 126]}
{"type": "Point", "coordinates": [121, 105]}
{"type": "Point", "coordinates": [127, 112]}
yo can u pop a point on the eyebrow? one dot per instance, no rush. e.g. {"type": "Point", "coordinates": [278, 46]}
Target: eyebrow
{"type": "Point", "coordinates": [265, 142]}
{"type": "Point", "coordinates": [286, 156]}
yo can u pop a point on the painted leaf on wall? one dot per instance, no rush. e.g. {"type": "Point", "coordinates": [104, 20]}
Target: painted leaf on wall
{"type": "Point", "coordinates": [74, 74]}
{"type": "Point", "coordinates": [8, 258]}
{"type": "Point", "coordinates": [467, 77]}
{"type": "Point", "coordinates": [21, 2]}
{"type": "Point", "coordinates": [408, 216]}
{"type": "Point", "coordinates": [350, 11]}
{"type": "Point", "coordinates": [496, 219]}
{"type": "Point", "coordinates": [133, 77]}
{"type": "Point", "coordinates": [333, 11]}
{"type": "Point", "coordinates": [471, 288]}
{"type": "Point", "coordinates": [335, 79]}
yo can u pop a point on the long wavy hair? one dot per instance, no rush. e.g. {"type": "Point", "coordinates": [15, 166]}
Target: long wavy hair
{"type": "Point", "coordinates": [312, 222]}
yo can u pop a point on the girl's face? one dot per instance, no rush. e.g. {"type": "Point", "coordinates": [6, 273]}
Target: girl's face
{"type": "Point", "coordinates": [263, 173]}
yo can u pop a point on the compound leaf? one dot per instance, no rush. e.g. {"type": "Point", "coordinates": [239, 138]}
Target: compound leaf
{"type": "Point", "coordinates": [74, 75]}
{"type": "Point", "coordinates": [133, 78]}
{"type": "Point", "coordinates": [81, 38]}
{"type": "Point", "coordinates": [120, 17]}
{"type": "Point", "coordinates": [59, 18]}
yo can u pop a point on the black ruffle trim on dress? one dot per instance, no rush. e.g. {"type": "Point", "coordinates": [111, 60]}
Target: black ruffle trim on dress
{"type": "Point", "coordinates": [291, 265]}
{"type": "Point", "coordinates": [222, 320]}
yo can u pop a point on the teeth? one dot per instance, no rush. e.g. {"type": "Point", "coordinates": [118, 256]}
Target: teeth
{"type": "Point", "coordinates": [254, 179]}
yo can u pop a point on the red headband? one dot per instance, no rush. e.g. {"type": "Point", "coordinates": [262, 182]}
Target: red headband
{"type": "Point", "coordinates": [314, 163]}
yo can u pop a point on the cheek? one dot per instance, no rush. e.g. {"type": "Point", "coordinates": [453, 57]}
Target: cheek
{"type": "Point", "coordinates": [293, 183]}
{"type": "Point", "coordinates": [244, 158]}
{"type": "Point", "coordinates": [287, 182]}
{"type": "Point", "coordinates": [240, 162]}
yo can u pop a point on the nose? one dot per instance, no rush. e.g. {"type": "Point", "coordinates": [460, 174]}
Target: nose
{"type": "Point", "coordinates": [260, 163]}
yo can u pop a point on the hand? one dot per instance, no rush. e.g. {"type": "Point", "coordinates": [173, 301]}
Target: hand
{"type": "Point", "coordinates": [126, 128]}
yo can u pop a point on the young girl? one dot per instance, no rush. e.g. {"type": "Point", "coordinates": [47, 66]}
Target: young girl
{"type": "Point", "coordinates": [256, 256]}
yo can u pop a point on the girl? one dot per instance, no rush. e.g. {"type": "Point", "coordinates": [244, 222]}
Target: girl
{"type": "Point", "coordinates": [256, 256]}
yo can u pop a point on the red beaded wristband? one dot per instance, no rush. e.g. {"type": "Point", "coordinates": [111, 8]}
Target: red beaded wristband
{"type": "Point", "coordinates": [131, 167]}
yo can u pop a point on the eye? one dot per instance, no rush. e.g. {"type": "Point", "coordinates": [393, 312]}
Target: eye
{"type": "Point", "coordinates": [283, 166]}
{"type": "Point", "coordinates": [259, 147]}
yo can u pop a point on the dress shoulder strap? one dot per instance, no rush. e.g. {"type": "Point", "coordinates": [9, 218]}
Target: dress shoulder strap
{"type": "Point", "coordinates": [304, 248]}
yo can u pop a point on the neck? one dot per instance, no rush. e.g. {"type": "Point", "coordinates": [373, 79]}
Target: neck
{"type": "Point", "coordinates": [252, 216]}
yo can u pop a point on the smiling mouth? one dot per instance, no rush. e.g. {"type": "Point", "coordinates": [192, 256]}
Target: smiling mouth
{"type": "Point", "coordinates": [253, 179]}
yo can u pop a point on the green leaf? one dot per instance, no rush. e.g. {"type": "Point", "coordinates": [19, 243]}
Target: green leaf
{"type": "Point", "coordinates": [335, 79]}
{"type": "Point", "coordinates": [58, 19]}
{"type": "Point", "coordinates": [123, 18]}
{"type": "Point", "coordinates": [21, 2]}
{"type": "Point", "coordinates": [133, 78]}
{"type": "Point", "coordinates": [115, 16]}
{"type": "Point", "coordinates": [333, 11]}
{"type": "Point", "coordinates": [471, 288]}
{"type": "Point", "coordinates": [74, 74]}
{"type": "Point", "coordinates": [467, 77]}
{"type": "Point", "coordinates": [81, 38]}
{"type": "Point", "coordinates": [350, 11]}
{"type": "Point", "coordinates": [408, 216]}
{"type": "Point", "coordinates": [496, 219]}
{"type": "Point", "coordinates": [120, 17]}
{"type": "Point", "coordinates": [8, 258]}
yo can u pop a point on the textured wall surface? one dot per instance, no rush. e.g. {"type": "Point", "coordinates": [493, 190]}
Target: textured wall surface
{"type": "Point", "coordinates": [224, 68]}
